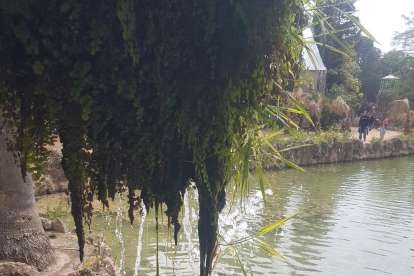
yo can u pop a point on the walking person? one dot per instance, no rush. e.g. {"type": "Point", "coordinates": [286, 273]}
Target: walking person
{"type": "Point", "coordinates": [363, 125]}
{"type": "Point", "coordinates": [382, 131]}
{"type": "Point", "coordinates": [385, 123]}
{"type": "Point", "coordinates": [371, 122]}
{"type": "Point", "coordinates": [377, 123]}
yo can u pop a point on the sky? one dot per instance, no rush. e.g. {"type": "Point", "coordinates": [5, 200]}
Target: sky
{"type": "Point", "coordinates": [383, 17]}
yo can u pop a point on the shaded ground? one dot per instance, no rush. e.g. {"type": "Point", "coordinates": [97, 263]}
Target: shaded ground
{"type": "Point", "coordinates": [375, 134]}
{"type": "Point", "coordinates": [97, 253]}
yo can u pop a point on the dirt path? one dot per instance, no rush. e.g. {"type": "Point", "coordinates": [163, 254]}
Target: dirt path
{"type": "Point", "coordinates": [375, 133]}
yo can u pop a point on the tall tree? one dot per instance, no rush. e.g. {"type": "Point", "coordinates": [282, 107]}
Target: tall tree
{"type": "Point", "coordinates": [336, 14]}
{"type": "Point", "coordinates": [368, 58]}
{"type": "Point", "coordinates": [406, 39]}
{"type": "Point", "coordinates": [22, 238]}
{"type": "Point", "coordinates": [400, 64]}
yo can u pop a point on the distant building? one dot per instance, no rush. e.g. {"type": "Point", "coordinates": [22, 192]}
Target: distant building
{"type": "Point", "coordinates": [313, 62]}
{"type": "Point", "coordinates": [389, 82]}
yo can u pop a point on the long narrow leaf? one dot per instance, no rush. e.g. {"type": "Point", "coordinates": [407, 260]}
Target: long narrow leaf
{"type": "Point", "coordinates": [291, 131]}
{"type": "Point", "coordinates": [269, 249]}
{"type": "Point", "coordinates": [356, 22]}
{"type": "Point", "coordinates": [245, 174]}
{"type": "Point", "coordinates": [300, 107]}
{"type": "Point", "coordinates": [327, 46]}
{"type": "Point", "coordinates": [287, 162]}
{"type": "Point", "coordinates": [295, 147]}
{"type": "Point", "coordinates": [261, 184]}
{"type": "Point", "coordinates": [323, 36]}
{"type": "Point", "coordinates": [280, 113]}
{"type": "Point", "coordinates": [337, 40]}
{"type": "Point", "coordinates": [311, 55]}
{"type": "Point", "coordinates": [270, 136]}
{"type": "Point", "coordinates": [274, 225]}
{"type": "Point", "coordinates": [313, 24]}
{"type": "Point", "coordinates": [241, 264]}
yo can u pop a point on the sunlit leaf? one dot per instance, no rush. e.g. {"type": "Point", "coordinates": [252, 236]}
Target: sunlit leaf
{"type": "Point", "coordinates": [299, 106]}
{"type": "Point", "coordinates": [269, 249]}
{"type": "Point", "coordinates": [274, 225]}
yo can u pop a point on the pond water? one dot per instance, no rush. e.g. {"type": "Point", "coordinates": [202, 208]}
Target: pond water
{"type": "Point", "coordinates": [357, 219]}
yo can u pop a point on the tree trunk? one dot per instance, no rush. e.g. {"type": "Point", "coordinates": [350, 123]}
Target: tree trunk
{"type": "Point", "coordinates": [207, 231]}
{"type": "Point", "coordinates": [22, 238]}
{"type": "Point", "coordinates": [212, 198]}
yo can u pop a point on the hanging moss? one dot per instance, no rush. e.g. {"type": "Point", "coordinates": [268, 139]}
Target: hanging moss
{"type": "Point", "coordinates": [147, 95]}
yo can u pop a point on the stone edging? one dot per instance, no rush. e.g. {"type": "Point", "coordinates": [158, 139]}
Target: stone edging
{"type": "Point", "coordinates": [336, 151]}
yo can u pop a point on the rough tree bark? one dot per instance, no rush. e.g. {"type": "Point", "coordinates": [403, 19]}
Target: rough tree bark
{"type": "Point", "coordinates": [22, 238]}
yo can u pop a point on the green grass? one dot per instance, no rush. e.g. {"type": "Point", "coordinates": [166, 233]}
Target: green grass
{"type": "Point", "coordinates": [317, 137]}
{"type": "Point", "coordinates": [58, 211]}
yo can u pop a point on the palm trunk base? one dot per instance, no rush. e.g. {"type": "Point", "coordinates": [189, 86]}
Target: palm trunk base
{"type": "Point", "coordinates": [33, 248]}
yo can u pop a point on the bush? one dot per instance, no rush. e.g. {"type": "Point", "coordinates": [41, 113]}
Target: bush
{"type": "Point", "coordinates": [352, 100]}
{"type": "Point", "coordinates": [375, 140]}
{"type": "Point", "coordinates": [330, 135]}
{"type": "Point", "coordinates": [408, 137]}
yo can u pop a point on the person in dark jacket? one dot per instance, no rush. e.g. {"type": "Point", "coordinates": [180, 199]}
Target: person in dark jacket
{"type": "Point", "coordinates": [363, 125]}
{"type": "Point", "coordinates": [371, 122]}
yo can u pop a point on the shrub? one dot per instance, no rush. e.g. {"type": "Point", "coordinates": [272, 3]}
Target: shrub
{"type": "Point", "coordinates": [409, 136]}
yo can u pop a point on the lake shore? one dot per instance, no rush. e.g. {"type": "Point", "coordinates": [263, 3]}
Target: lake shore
{"type": "Point", "coordinates": [307, 152]}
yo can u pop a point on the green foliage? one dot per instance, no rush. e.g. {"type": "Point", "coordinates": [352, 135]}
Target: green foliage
{"type": "Point", "coordinates": [331, 135]}
{"type": "Point", "coordinates": [235, 246]}
{"type": "Point", "coordinates": [352, 99]}
{"type": "Point", "coordinates": [326, 136]}
{"type": "Point", "coordinates": [368, 59]}
{"type": "Point", "coordinates": [146, 95]}
{"type": "Point", "coordinates": [405, 39]}
{"type": "Point", "coordinates": [338, 15]}
{"type": "Point", "coordinates": [401, 65]}
{"type": "Point", "coordinates": [383, 102]}
{"type": "Point", "coordinates": [375, 140]}
{"type": "Point", "coordinates": [409, 136]}
{"type": "Point", "coordinates": [59, 210]}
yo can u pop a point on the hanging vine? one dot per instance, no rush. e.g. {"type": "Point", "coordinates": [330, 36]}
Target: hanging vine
{"type": "Point", "coordinates": [148, 94]}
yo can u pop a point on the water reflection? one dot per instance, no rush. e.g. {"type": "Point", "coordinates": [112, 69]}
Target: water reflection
{"type": "Point", "coordinates": [357, 220]}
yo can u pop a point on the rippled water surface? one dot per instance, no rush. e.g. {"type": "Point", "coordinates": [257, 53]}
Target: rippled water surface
{"type": "Point", "coordinates": [357, 219]}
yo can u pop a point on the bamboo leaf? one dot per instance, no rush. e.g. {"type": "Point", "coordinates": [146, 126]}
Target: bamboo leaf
{"type": "Point", "coordinates": [274, 225]}
{"type": "Point", "coordinates": [241, 265]}
{"type": "Point", "coordinates": [261, 184]}
{"type": "Point", "coordinates": [245, 174]}
{"type": "Point", "coordinates": [313, 24]}
{"type": "Point", "coordinates": [337, 40]}
{"type": "Point", "coordinates": [327, 46]}
{"type": "Point", "coordinates": [272, 147]}
{"type": "Point", "coordinates": [294, 110]}
{"type": "Point", "coordinates": [276, 111]}
{"type": "Point", "coordinates": [269, 249]}
{"type": "Point", "coordinates": [295, 147]}
{"type": "Point", "coordinates": [323, 37]}
{"type": "Point", "coordinates": [270, 136]}
{"type": "Point", "coordinates": [287, 162]}
{"type": "Point", "coordinates": [291, 131]}
{"type": "Point", "coordinates": [356, 22]}
{"type": "Point", "coordinates": [299, 106]}
{"type": "Point", "coordinates": [311, 54]}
